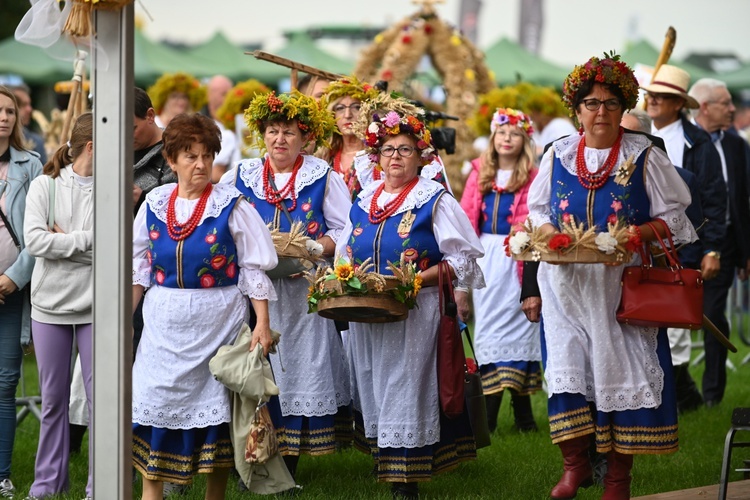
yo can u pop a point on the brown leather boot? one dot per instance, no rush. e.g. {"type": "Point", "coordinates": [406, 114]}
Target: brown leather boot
{"type": "Point", "coordinates": [617, 479]}
{"type": "Point", "coordinates": [577, 471]}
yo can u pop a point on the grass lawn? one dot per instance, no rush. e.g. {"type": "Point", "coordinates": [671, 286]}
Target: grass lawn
{"type": "Point", "coordinates": [516, 466]}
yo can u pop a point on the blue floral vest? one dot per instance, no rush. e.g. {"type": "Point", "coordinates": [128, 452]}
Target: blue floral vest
{"type": "Point", "coordinates": [386, 241]}
{"type": "Point", "coordinates": [205, 259]}
{"type": "Point", "coordinates": [495, 217]}
{"type": "Point", "coordinates": [612, 202]}
{"type": "Point", "coordinates": [309, 207]}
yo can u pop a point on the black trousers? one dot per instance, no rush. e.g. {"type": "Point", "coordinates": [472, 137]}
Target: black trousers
{"type": "Point", "coordinates": [715, 293]}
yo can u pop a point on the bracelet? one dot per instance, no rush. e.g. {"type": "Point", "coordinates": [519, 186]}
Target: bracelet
{"type": "Point", "coordinates": [459, 288]}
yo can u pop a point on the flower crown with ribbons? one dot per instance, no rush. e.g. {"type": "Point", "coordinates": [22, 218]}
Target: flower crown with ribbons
{"type": "Point", "coordinates": [511, 116]}
{"type": "Point", "coordinates": [310, 115]}
{"type": "Point", "coordinates": [389, 124]}
{"type": "Point", "coordinates": [610, 71]}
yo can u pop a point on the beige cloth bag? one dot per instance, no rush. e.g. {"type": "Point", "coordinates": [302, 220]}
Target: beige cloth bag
{"type": "Point", "coordinates": [250, 378]}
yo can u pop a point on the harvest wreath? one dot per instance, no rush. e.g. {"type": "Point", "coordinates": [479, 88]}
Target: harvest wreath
{"type": "Point", "coordinates": [573, 243]}
{"type": "Point", "coordinates": [296, 251]}
{"type": "Point", "coordinates": [350, 292]}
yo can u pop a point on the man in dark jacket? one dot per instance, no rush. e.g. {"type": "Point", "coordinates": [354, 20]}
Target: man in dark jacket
{"type": "Point", "coordinates": [714, 115]}
{"type": "Point", "coordinates": [689, 148]}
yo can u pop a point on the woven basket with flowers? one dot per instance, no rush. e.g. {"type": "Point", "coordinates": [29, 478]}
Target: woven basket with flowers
{"type": "Point", "coordinates": [297, 253]}
{"type": "Point", "coordinates": [348, 292]}
{"type": "Point", "coordinates": [573, 243]}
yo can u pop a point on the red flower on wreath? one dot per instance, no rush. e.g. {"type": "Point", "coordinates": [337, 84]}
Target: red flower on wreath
{"type": "Point", "coordinates": [612, 219]}
{"type": "Point", "coordinates": [406, 39]}
{"type": "Point", "coordinates": [560, 242]}
{"type": "Point", "coordinates": [427, 29]}
{"type": "Point", "coordinates": [386, 75]}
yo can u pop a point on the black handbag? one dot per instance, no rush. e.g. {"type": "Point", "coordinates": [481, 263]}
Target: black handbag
{"type": "Point", "coordinates": [475, 402]}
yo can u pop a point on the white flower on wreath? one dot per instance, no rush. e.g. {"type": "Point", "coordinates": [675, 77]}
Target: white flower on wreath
{"type": "Point", "coordinates": [518, 242]}
{"type": "Point", "coordinates": [606, 243]}
{"type": "Point", "coordinates": [373, 128]}
{"type": "Point", "coordinates": [314, 248]}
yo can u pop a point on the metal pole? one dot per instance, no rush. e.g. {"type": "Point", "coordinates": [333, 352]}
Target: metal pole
{"type": "Point", "coordinates": [112, 82]}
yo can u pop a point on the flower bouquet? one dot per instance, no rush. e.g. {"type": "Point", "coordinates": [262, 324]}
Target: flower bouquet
{"type": "Point", "coordinates": [573, 243]}
{"type": "Point", "coordinates": [296, 251]}
{"type": "Point", "coordinates": [350, 292]}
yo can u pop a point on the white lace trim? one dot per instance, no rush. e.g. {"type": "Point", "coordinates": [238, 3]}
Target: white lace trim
{"type": "Point", "coordinates": [679, 225]}
{"type": "Point", "coordinates": [251, 174]}
{"type": "Point", "coordinates": [401, 436]}
{"type": "Point", "coordinates": [142, 278]}
{"type": "Point", "coordinates": [431, 170]}
{"type": "Point", "coordinates": [421, 194]}
{"type": "Point", "coordinates": [468, 272]}
{"type": "Point", "coordinates": [221, 197]}
{"type": "Point", "coordinates": [255, 284]}
{"type": "Point", "coordinates": [646, 395]}
{"type": "Point", "coordinates": [566, 150]}
{"type": "Point", "coordinates": [182, 417]}
{"type": "Point", "coordinates": [312, 406]}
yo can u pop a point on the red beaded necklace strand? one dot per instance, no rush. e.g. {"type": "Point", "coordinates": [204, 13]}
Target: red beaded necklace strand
{"type": "Point", "coordinates": [177, 231]}
{"type": "Point", "coordinates": [378, 215]}
{"type": "Point", "coordinates": [497, 188]}
{"type": "Point", "coordinates": [595, 180]}
{"type": "Point", "coordinates": [274, 196]}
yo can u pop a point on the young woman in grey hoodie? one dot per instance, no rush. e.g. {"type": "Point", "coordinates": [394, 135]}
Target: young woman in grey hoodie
{"type": "Point", "coordinates": [61, 295]}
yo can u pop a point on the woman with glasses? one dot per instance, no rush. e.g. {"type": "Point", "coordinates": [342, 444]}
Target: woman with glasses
{"type": "Point", "coordinates": [507, 345]}
{"type": "Point", "coordinates": [609, 383]}
{"type": "Point", "coordinates": [393, 365]}
{"type": "Point", "coordinates": [18, 167]}
{"type": "Point", "coordinates": [344, 98]}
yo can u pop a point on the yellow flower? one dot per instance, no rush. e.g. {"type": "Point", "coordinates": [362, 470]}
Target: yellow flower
{"type": "Point", "coordinates": [456, 40]}
{"type": "Point", "coordinates": [378, 38]}
{"type": "Point", "coordinates": [417, 283]}
{"type": "Point", "coordinates": [469, 74]}
{"type": "Point", "coordinates": [344, 272]}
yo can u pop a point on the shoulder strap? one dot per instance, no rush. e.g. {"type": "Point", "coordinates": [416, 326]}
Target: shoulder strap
{"type": "Point", "coordinates": [13, 236]}
{"type": "Point", "coordinates": [51, 214]}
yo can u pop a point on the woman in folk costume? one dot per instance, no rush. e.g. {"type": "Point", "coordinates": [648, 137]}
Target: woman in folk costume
{"type": "Point", "coordinates": [394, 365]}
{"type": "Point", "coordinates": [201, 249]}
{"type": "Point", "coordinates": [287, 187]}
{"type": "Point", "coordinates": [507, 345]}
{"type": "Point", "coordinates": [607, 381]}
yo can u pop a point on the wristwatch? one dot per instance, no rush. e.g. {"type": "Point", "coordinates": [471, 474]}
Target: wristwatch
{"type": "Point", "coordinates": [714, 254]}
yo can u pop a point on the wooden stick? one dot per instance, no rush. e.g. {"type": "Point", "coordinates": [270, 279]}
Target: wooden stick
{"type": "Point", "coordinates": [288, 63]}
{"type": "Point", "coordinates": [670, 38]}
{"type": "Point", "coordinates": [79, 68]}
{"type": "Point", "coordinates": [708, 325]}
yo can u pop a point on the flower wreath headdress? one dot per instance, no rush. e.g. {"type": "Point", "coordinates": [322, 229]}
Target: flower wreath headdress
{"type": "Point", "coordinates": [176, 82]}
{"type": "Point", "coordinates": [609, 70]}
{"type": "Point", "coordinates": [514, 117]}
{"type": "Point", "coordinates": [237, 99]}
{"type": "Point", "coordinates": [348, 86]}
{"type": "Point", "coordinates": [311, 116]}
{"type": "Point", "coordinates": [387, 115]}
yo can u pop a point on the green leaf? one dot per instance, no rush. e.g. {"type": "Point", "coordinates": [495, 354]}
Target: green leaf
{"type": "Point", "coordinates": [355, 283]}
{"type": "Point", "coordinates": [230, 259]}
{"type": "Point", "coordinates": [203, 271]}
{"type": "Point", "coordinates": [214, 247]}
{"type": "Point", "coordinates": [309, 215]}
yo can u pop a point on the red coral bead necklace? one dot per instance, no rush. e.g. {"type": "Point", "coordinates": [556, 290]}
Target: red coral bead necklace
{"type": "Point", "coordinates": [378, 215]}
{"type": "Point", "coordinates": [595, 180]}
{"type": "Point", "coordinates": [177, 231]}
{"type": "Point", "coordinates": [276, 196]}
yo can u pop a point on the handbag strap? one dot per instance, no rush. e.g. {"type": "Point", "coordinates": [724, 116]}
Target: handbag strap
{"type": "Point", "coordinates": [51, 211]}
{"type": "Point", "coordinates": [465, 331]}
{"type": "Point", "coordinates": [445, 283]}
{"type": "Point", "coordinates": [669, 251]}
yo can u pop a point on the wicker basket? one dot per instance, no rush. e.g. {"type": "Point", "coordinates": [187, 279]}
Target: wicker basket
{"type": "Point", "coordinates": [576, 256]}
{"type": "Point", "coordinates": [292, 260]}
{"type": "Point", "coordinates": [373, 307]}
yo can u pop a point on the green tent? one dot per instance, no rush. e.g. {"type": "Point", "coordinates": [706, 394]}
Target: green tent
{"type": "Point", "coordinates": [225, 58]}
{"type": "Point", "coordinates": [151, 60]}
{"type": "Point", "coordinates": [736, 80]}
{"type": "Point", "coordinates": [511, 64]}
{"type": "Point", "coordinates": [302, 49]}
{"type": "Point", "coordinates": [645, 53]}
{"type": "Point", "coordinates": [32, 63]}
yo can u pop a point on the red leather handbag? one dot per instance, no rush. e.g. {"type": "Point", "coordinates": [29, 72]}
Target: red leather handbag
{"type": "Point", "coordinates": [451, 360]}
{"type": "Point", "coordinates": [664, 297]}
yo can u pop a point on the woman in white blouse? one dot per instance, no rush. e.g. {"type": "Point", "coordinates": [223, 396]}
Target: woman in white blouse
{"type": "Point", "coordinates": [200, 249]}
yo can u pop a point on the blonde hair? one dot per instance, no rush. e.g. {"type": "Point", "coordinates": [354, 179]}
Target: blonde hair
{"type": "Point", "coordinates": [82, 133]}
{"type": "Point", "coordinates": [489, 164]}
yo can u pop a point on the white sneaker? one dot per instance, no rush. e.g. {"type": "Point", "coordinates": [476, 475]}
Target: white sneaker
{"type": "Point", "coordinates": [6, 489]}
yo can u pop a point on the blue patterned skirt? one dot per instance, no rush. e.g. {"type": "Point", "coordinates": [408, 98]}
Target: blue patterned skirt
{"type": "Point", "coordinates": [523, 377]}
{"type": "Point", "coordinates": [176, 455]}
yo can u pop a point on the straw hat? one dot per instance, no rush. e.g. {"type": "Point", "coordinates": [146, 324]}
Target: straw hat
{"type": "Point", "coordinates": [672, 80]}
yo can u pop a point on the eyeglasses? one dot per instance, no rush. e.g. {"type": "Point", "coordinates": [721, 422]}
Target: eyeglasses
{"type": "Point", "coordinates": [340, 109]}
{"type": "Point", "coordinates": [403, 151]}
{"type": "Point", "coordinates": [595, 104]}
{"type": "Point", "coordinates": [513, 134]}
{"type": "Point", "coordinates": [659, 98]}
{"type": "Point", "coordinates": [725, 103]}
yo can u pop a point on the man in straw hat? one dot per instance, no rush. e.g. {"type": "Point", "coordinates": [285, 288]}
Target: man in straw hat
{"type": "Point", "coordinates": [714, 115]}
{"type": "Point", "coordinates": [690, 148]}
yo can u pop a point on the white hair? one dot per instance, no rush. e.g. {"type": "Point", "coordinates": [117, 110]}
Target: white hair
{"type": "Point", "coordinates": [644, 121]}
{"type": "Point", "coordinates": [703, 91]}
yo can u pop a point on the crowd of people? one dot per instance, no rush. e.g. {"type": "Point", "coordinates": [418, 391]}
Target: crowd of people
{"type": "Point", "coordinates": [355, 170]}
